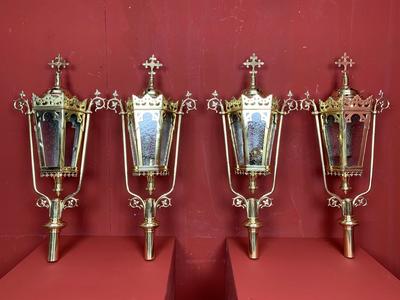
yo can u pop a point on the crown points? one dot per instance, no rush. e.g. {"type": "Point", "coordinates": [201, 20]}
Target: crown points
{"type": "Point", "coordinates": [345, 61]}
{"type": "Point", "coordinates": [215, 94]}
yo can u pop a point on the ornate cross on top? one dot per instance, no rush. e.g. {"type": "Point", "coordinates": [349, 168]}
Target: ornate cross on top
{"type": "Point", "coordinates": [58, 63]}
{"type": "Point", "coordinates": [252, 63]}
{"type": "Point", "coordinates": [152, 63]}
{"type": "Point", "coordinates": [344, 62]}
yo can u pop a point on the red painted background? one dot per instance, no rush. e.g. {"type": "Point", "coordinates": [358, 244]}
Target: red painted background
{"type": "Point", "coordinates": [202, 44]}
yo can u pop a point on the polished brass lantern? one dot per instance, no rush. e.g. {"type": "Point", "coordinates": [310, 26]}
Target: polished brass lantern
{"type": "Point", "coordinates": [343, 124]}
{"type": "Point", "coordinates": [60, 123]}
{"type": "Point", "coordinates": [151, 121]}
{"type": "Point", "coordinates": [255, 123]}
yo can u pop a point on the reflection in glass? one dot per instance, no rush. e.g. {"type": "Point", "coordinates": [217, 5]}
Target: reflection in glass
{"type": "Point", "coordinates": [48, 127]}
{"type": "Point", "coordinates": [237, 137]}
{"type": "Point", "coordinates": [256, 131]}
{"type": "Point", "coordinates": [166, 137]}
{"type": "Point", "coordinates": [332, 139]}
{"type": "Point", "coordinates": [72, 142]}
{"type": "Point", "coordinates": [271, 135]}
{"type": "Point", "coordinates": [148, 136]}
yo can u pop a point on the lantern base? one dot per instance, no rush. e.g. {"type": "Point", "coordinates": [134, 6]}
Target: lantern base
{"type": "Point", "coordinates": [54, 236]}
{"type": "Point", "coordinates": [252, 227]}
{"type": "Point", "coordinates": [149, 227]}
{"type": "Point", "coordinates": [348, 222]}
{"type": "Point", "coordinates": [252, 224]}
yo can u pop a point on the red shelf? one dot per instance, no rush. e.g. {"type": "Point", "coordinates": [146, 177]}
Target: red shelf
{"type": "Point", "coordinates": [94, 268]}
{"type": "Point", "coordinates": [306, 269]}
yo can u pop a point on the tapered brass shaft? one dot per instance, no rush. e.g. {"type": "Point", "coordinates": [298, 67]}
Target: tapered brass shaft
{"type": "Point", "coordinates": [252, 224]}
{"type": "Point", "coordinates": [54, 225]}
{"type": "Point", "coordinates": [149, 226]}
{"type": "Point", "coordinates": [348, 222]}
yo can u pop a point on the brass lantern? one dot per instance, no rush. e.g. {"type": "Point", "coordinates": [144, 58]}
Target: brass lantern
{"type": "Point", "coordinates": [343, 124]}
{"type": "Point", "coordinates": [151, 121]}
{"type": "Point", "coordinates": [60, 123]}
{"type": "Point", "coordinates": [255, 123]}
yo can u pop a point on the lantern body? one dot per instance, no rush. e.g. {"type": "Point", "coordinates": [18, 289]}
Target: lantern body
{"type": "Point", "coordinates": [345, 123]}
{"type": "Point", "coordinates": [252, 122]}
{"type": "Point", "coordinates": [150, 122]}
{"type": "Point", "coordinates": [59, 121]}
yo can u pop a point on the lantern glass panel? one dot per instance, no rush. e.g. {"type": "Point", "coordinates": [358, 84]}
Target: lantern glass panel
{"type": "Point", "coordinates": [148, 128]}
{"type": "Point", "coordinates": [132, 139]}
{"type": "Point", "coordinates": [166, 136]}
{"type": "Point", "coordinates": [271, 135]}
{"type": "Point", "coordinates": [237, 136]}
{"type": "Point", "coordinates": [355, 145]}
{"type": "Point", "coordinates": [256, 137]}
{"type": "Point", "coordinates": [48, 138]}
{"type": "Point", "coordinates": [331, 136]}
{"type": "Point", "coordinates": [72, 141]}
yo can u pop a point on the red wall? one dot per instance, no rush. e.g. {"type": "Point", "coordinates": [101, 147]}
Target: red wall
{"type": "Point", "coordinates": [202, 44]}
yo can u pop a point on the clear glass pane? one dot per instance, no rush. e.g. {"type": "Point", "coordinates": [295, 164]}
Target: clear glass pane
{"type": "Point", "coordinates": [148, 126]}
{"type": "Point", "coordinates": [237, 136]}
{"type": "Point", "coordinates": [271, 135]}
{"type": "Point", "coordinates": [132, 139]}
{"type": "Point", "coordinates": [331, 137]}
{"type": "Point", "coordinates": [256, 135]}
{"type": "Point", "coordinates": [72, 141]}
{"type": "Point", "coordinates": [166, 137]}
{"type": "Point", "coordinates": [355, 146]}
{"type": "Point", "coordinates": [48, 128]}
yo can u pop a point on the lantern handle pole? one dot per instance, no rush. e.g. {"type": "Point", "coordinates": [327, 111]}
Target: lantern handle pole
{"type": "Point", "coordinates": [22, 104]}
{"type": "Point", "coordinates": [308, 104]}
{"type": "Point", "coordinates": [99, 102]}
{"type": "Point", "coordinates": [113, 104]}
{"type": "Point", "coordinates": [190, 104]}
{"type": "Point", "coordinates": [288, 105]}
{"type": "Point", "coordinates": [380, 105]}
{"type": "Point", "coordinates": [216, 105]}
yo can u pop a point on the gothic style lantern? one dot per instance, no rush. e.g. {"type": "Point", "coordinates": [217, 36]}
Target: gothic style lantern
{"type": "Point", "coordinates": [60, 123]}
{"type": "Point", "coordinates": [343, 122]}
{"type": "Point", "coordinates": [151, 120]}
{"type": "Point", "coordinates": [255, 123]}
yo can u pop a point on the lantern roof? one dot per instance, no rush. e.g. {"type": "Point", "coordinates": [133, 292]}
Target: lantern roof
{"type": "Point", "coordinates": [57, 97]}
{"type": "Point", "coordinates": [151, 98]}
{"type": "Point", "coordinates": [252, 98]}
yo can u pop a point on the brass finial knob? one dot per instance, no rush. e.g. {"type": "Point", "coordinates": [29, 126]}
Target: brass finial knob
{"type": "Point", "coordinates": [152, 63]}
{"type": "Point", "coordinates": [58, 63]}
{"type": "Point", "coordinates": [253, 62]}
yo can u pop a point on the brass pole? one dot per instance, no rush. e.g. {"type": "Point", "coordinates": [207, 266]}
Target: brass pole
{"type": "Point", "coordinates": [149, 226]}
{"type": "Point", "coordinates": [252, 224]}
{"type": "Point", "coordinates": [54, 226]}
{"type": "Point", "coordinates": [348, 222]}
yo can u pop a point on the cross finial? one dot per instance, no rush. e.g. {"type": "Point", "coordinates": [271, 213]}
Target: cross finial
{"type": "Point", "coordinates": [152, 63]}
{"type": "Point", "coordinates": [345, 61]}
{"type": "Point", "coordinates": [59, 63]}
{"type": "Point", "coordinates": [252, 62]}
